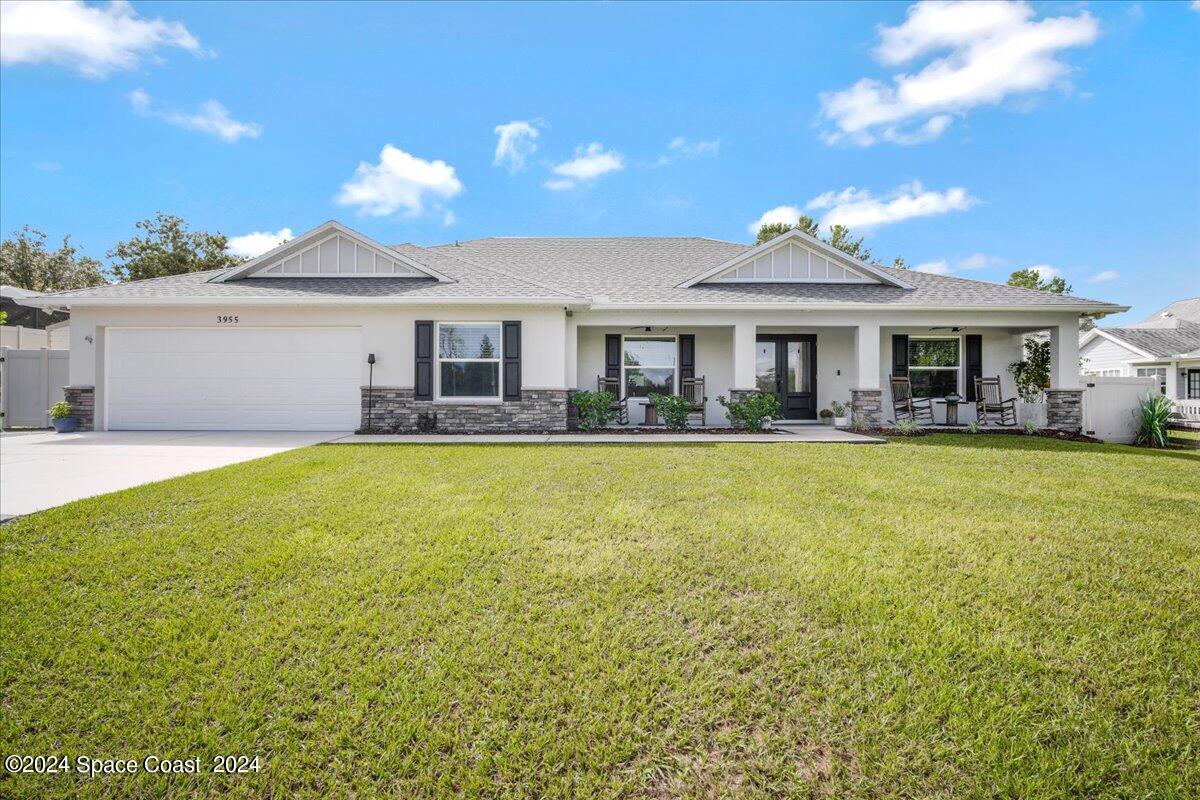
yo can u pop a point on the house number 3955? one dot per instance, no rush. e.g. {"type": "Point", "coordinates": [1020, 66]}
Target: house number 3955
{"type": "Point", "coordinates": [226, 319]}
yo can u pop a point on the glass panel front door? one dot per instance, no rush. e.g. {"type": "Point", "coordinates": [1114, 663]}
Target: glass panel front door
{"type": "Point", "coordinates": [764, 367]}
{"type": "Point", "coordinates": [786, 366]}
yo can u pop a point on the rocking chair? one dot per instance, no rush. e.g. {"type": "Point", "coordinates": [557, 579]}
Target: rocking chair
{"type": "Point", "coordinates": [988, 401]}
{"type": "Point", "coordinates": [905, 407]}
{"type": "Point", "coordinates": [620, 404]}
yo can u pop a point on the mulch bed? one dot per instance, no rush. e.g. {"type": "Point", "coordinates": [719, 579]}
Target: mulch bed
{"type": "Point", "coordinates": [640, 431]}
{"type": "Point", "coordinates": [1045, 433]}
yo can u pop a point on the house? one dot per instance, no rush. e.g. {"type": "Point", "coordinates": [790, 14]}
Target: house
{"type": "Point", "coordinates": [1165, 345]}
{"type": "Point", "coordinates": [30, 326]}
{"type": "Point", "coordinates": [493, 334]}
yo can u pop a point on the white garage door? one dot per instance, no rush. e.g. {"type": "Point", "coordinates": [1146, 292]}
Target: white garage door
{"type": "Point", "coordinates": [289, 379]}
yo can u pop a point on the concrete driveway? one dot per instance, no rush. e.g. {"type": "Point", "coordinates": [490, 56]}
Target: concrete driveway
{"type": "Point", "coordinates": [39, 470]}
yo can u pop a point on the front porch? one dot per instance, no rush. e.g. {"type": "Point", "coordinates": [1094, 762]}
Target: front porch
{"type": "Point", "coordinates": [815, 366]}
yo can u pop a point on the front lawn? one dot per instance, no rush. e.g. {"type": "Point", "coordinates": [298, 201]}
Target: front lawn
{"type": "Point", "coordinates": [949, 616]}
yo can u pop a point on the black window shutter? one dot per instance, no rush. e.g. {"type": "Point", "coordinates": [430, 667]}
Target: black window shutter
{"type": "Point", "coordinates": [612, 355]}
{"type": "Point", "coordinates": [687, 355]}
{"type": "Point", "coordinates": [900, 355]}
{"type": "Point", "coordinates": [423, 374]}
{"type": "Point", "coordinates": [512, 360]}
{"type": "Point", "coordinates": [974, 362]}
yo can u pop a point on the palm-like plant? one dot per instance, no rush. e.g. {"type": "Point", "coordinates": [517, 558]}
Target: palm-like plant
{"type": "Point", "coordinates": [1154, 420]}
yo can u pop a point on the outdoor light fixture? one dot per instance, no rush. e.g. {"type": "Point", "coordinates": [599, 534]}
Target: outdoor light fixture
{"type": "Point", "coordinates": [370, 387]}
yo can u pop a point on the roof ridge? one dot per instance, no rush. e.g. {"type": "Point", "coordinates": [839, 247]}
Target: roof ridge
{"type": "Point", "coordinates": [496, 271]}
{"type": "Point", "coordinates": [139, 280]}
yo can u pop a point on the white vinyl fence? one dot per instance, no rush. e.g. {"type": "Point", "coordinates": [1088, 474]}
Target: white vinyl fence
{"type": "Point", "coordinates": [23, 338]}
{"type": "Point", "coordinates": [1111, 406]}
{"type": "Point", "coordinates": [30, 382]}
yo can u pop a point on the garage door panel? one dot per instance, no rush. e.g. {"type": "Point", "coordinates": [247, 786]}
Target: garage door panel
{"type": "Point", "coordinates": [234, 379]}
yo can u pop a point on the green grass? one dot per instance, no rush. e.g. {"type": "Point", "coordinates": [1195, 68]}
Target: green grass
{"type": "Point", "coordinates": [948, 616]}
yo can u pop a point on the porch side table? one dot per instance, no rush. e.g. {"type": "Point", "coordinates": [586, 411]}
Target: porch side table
{"type": "Point", "coordinates": [951, 404]}
{"type": "Point", "coordinates": [651, 417]}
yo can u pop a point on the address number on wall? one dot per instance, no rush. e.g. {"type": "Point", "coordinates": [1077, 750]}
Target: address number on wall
{"type": "Point", "coordinates": [226, 319]}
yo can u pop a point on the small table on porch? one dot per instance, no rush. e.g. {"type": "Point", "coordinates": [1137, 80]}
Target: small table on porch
{"type": "Point", "coordinates": [951, 404]}
{"type": "Point", "coordinates": [651, 417]}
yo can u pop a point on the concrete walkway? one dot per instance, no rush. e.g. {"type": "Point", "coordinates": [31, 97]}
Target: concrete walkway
{"type": "Point", "coordinates": [793, 434]}
{"type": "Point", "coordinates": [40, 470]}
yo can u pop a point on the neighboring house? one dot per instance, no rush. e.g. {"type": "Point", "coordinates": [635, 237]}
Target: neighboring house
{"type": "Point", "coordinates": [493, 334]}
{"type": "Point", "coordinates": [29, 327]}
{"type": "Point", "coordinates": [1165, 345]}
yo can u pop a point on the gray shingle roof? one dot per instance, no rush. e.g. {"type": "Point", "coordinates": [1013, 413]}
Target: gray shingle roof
{"type": "Point", "coordinates": [1187, 310]}
{"type": "Point", "coordinates": [1184, 338]}
{"type": "Point", "coordinates": [610, 270]}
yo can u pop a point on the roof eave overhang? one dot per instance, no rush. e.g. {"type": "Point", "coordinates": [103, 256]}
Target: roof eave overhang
{"type": "Point", "coordinates": [1100, 332]}
{"type": "Point", "coordinates": [689, 306]}
{"type": "Point", "coordinates": [325, 229]}
{"type": "Point", "coordinates": [809, 241]}
{"type": "Point", "coordinates": [90, 302]}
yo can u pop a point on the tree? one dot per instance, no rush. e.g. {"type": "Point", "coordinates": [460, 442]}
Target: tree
{"type": "Point", "coordinates": [839, 237]}
{"type": "Point", "coordinates": [899, 263]}
{"type": "Point", "coordinates": [26, 263]}
{"type": "Point", "coordinates": [1032, 279]}
{"type": "Point", "coordinates": [169, 248]}
{"type": "Point", "coordinates": [1032, 375]}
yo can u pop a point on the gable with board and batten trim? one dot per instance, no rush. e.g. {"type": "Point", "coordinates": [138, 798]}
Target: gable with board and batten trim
{"type": "Point", "coordinates": [341, 257]}
{"type": "Point", "coordinates": [790, 263]}
{"type": "Point", "coordinates": [331, 251]}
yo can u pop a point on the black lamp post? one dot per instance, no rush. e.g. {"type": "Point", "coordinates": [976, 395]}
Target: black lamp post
{"type": "Point", "coordinates": [370, 388]}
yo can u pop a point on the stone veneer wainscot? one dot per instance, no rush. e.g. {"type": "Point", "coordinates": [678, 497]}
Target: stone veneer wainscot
{"type": "Point", "coordinates": [393, 409]}
{"type": "Point", "coordinates": [1064, 410]}
{"type": "Point", "coordinates": [82, 400]}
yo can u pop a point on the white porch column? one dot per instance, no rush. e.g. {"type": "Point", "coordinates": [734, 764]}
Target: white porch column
{"type": "Point", "coordinates": [866, 352]}
{"type": "Point", "coordinates": [1064, 356]}
{"type": "Point", "coordinates": [744, 344]}
{"type": "Point", "coordinates": [1172, 380]}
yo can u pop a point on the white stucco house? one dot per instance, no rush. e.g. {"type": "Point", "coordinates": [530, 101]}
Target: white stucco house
{"type": "Point", "coordinates": [1165, 345]}
{"type": "Point", "coordinates": [493, 334]}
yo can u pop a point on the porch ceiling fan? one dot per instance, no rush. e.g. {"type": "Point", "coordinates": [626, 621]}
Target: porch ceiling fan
{"type": "Point", "coordinates": [951, 328]}
{"type": "Point", "coordinates": [648, 328]}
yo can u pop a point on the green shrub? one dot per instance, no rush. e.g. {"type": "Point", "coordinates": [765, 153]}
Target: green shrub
{"type": "Point", "coordinates": [974, 427]}
{"type": "Point", "coordinates": [1154, 420]}
{"type": "Point", "coordinates": [1030, 428]}
{"type": "Point", "coordinates": [753, 411]}
{"type": "Point", "coordinates": [595, 409]}
{"type": "Point", "coordinates": [673, 409]}
{"type": "Point", "coordinates": [825, 413]}
{"type": "Point", "coordinates": [908, 427]}
{"type": "Point", "coordinates": [61, 410]}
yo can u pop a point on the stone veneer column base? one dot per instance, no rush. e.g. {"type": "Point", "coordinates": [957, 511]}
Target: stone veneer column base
{"type": "Point", "coordinates": [393, 410]}
{"type": "Point", "coordinates": [736, 396]}
{"type": "Point", "coordinates": [866, 407]}
{"type": "Point", "coordinates": [83, 405]}
{"type": "Point", "coordinates": [1064, 410]}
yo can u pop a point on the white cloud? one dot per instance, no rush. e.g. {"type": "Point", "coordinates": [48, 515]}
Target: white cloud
{"type": "Point", "coordinates": [1195, 5]}
{"type": "Point", "coordinates": [858, 208]}
{"type": "Point", "coordinates": [252, 245]}
{"type": "Point", "coordinates": [933, 268]}
{"type": "Point", "coordinates": [212, 118]}
{"type": "Point", "coordinates": [1103, 277]}
{"type": "Point", "coordinates": [399, 181]}
{"type": "Point", "coordinates": [992, 50]}
{"type": "Point", "coordinates": [449, 218]}
{"type": "Point", "coordinates": [589, 163]}
{"type": "Point", "coordinates": [978, 261]}
{"type": "Point", "coordinates": [515, 143]}
{"type": "Point", "coordinates": [47, 166]}
{"type": "Point", "coordinates": [785, 214]}
{"type": "Point", "coordinates": [681, 148]}
{"type": "Point", "coordinates": [1046, 272]}
{"type": "Point", "coordinates": [94, 41]}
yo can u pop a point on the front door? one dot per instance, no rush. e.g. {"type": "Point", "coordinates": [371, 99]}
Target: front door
{"type": "Point", "coordinates": [786, 366]}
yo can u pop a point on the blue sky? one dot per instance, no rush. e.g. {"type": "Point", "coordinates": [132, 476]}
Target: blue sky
{"type": "Point", "coordinates": [972, 142]}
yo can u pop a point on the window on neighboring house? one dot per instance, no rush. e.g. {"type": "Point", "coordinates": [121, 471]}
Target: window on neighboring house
{"type": "Point", "coordinates": [1103, 373]}
{"type": "Point", "coordinates": [934, 364]}
{"type": "Point", "coordinates": [469, 359]}
{"type": "Point", "coordinates": [1155, 372]}
{"type": "Point", "coordinates": [649, 365]}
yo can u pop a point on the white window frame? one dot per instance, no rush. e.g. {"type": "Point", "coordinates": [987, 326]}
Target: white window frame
{"type": "Point", "coordinates": [958, 371]}
{"type": "Point", "coordinates": [1159, 372]}
{"type": "Point", "coordinates": [643, 336]}
{"type": "Point", "coordinates": [438, 361]}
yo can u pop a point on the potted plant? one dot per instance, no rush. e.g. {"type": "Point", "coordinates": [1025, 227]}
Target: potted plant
{"type": "Point", "coordinates": [826, 416]}
{"type": "Point", "coordinates": [61, 417]}
{"type": "Point", "coordinates": [841, 413]}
